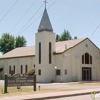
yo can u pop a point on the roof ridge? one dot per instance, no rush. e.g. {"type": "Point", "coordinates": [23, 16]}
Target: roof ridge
{"type": "Point", "coordinates": [72, 40]}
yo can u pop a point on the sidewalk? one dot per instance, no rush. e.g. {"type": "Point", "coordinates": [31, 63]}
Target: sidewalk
{"type": "Point", "coordinates": [43, 96]}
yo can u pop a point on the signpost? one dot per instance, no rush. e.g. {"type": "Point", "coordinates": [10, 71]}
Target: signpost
{"type": "Point", "coordinates": [19, 80]}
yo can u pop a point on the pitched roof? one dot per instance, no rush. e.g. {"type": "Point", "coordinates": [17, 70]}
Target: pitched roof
{"type": "Point", "coordinates": [65, 45]}
{"type": "Point", "coordinates": [20, 52]}
{"type": "Point", "coordinates": [60, 47]}
{"type": "Point", "coordinates": [45, 24]}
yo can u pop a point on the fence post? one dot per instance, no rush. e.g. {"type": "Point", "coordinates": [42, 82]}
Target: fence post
{"type": "Point", "coordinates": [5, 83]}
{"type": "Point", "coordinates": [34, 82]}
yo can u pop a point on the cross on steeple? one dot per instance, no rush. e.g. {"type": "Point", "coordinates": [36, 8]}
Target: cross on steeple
{"type": "Point", "coordinates": [45, 3]}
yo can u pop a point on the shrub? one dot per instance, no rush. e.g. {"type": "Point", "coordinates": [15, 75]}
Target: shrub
{"type": "Point", "coordinates": [31, 71]}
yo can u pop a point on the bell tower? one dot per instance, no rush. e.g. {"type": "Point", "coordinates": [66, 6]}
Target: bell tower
{"type": "Point", "coordinates": [44, 48]}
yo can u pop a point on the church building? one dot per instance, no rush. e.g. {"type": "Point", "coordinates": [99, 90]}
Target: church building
{"type": "Point", "coordinates": [63, 61]}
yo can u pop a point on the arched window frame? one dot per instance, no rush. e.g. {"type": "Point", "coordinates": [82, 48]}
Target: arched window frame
{"type": "Point", "coordinates": [86, 58]}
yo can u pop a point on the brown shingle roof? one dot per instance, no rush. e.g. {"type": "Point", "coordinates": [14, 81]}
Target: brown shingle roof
{"type": "Point", "coordinates": [30, 50]}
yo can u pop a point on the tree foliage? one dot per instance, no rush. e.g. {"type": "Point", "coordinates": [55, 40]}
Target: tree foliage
{"type": "Point", "coordinates": [20, 41]}
{"type": "Point", "coordinates": [57, 38]}
{"type": "Point", "coordinates": [8, 42]}
{"type": "Point", "coordinates": [75, 37]}
{"type": "Point", "coordinates": [64, 36]}
{"type": "Point", "coordinates": [31, 71]}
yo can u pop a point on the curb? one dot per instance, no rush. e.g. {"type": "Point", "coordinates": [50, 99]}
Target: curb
{"type": "Point", "coordinates": [60, 96]}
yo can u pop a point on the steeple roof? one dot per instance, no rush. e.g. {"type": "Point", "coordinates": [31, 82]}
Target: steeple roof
{"type": "Point", "coordinates": [45, 24]}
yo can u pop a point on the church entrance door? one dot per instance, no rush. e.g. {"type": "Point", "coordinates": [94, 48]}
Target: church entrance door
{"type": "Point", "coordinates": [86, 74]}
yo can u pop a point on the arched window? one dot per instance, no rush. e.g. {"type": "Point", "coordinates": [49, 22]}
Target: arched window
{"type": "Point", "coordinates": [39, 52]}
{"type": "Point", "coordinates": [86, 58]}
{"type": "Point", "coordinates": [50, 47]}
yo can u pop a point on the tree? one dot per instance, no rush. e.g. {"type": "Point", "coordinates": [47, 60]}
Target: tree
{"type": "Point", "coordinates": [20, 41]}
{"type": "Point", "coordinates": [6, 43]}
{"type": "Point", "coordinates": [64, 36]}
{"type": "Point", "coordinates": [57, 38]}
{"type": "Point", "coordinates": [75, 37]}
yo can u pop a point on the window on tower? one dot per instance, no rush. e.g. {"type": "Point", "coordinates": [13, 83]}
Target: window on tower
{"type": "Point", "coordinates": [50, 52]}
{"type": "Point", "coordinates": [39, 52]}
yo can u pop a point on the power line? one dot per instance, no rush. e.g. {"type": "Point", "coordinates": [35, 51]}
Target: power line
{"type": "Point", "coordinates": [38, 17]}
{"type": "Point", "coordinates": [23, 16]}
{"type": "Point", "coordinates": [89, 37]}
{"type": "Point", "coordinates": [52, 4]}
{"type": "Point", "coordinates": [94, 31]}
{"type": "Point", "coordinates": [8, 11]}
{"type": "Point", "coordinates": [30, 19]}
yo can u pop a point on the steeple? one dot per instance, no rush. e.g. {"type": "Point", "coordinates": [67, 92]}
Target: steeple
{"type": "Point", "coordinates": [45, 24]}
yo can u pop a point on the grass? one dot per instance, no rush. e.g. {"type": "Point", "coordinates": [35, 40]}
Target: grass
{"type": "Point", "coordinates": [12, 91]}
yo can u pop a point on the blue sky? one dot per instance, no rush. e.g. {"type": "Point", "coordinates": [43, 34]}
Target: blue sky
{"type": "Point", "coordinates": [80, 17]}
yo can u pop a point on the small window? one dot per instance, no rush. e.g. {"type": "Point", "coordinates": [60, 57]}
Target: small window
{"type": "Point", "coordinates": [58, 72]}
{"type": "Point", "coordinates": [34, 65]}
{"type": "Point", "coordinates": [26, 67]}
{"type": "Point", "coordinates": [9, 69]}
{"type": "Point", "coordinates": [90, 59]}
{"type": "Point", "coordinates": [39, 72]}
{"type": "Point", "coordinates": [82, 59]}
{"type": "Point", "coordinates": [21, 69]}
{"type": "Point", "coordinates": [65, 71]}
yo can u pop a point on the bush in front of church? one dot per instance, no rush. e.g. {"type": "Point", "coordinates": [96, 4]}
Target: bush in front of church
{"type": "Point", "coordinates": [31, 71]}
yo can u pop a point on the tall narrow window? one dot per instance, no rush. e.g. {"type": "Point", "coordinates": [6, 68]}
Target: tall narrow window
{"type": "Point", "coordinates": [90, 59]}
{"type": "Point", "coordinates": [86, 58]}
{"type": "Point", "coordinates": [82, 59]}
{"type": "Point", "coordinates": [50, 52]}
{"type": "Point", "coordinates": [21, 69]}
{"type": "Point", "coordinates": [9, 69]}
{"type": "Point", "coordinates": [39, 53]}
{"type": "Point", "coordinates": [14, 70]}
{"type": "Point", "coordinates": [26, 69]}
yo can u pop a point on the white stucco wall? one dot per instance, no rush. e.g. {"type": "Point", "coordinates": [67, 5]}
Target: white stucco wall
{"type": "Point", "coordinates": [47, 70]}
{"type": "Point", "coordinates": [71, 60]}
{"type": "Point", "coordinates": [17, 62]}
{"type": "Point", "coordinates": [77, 60]}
